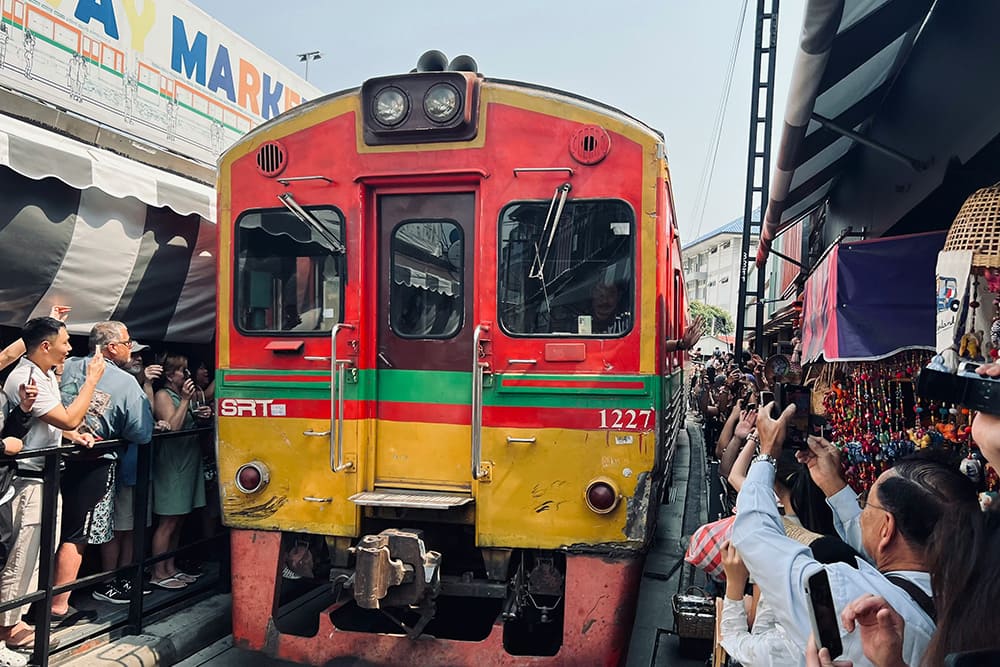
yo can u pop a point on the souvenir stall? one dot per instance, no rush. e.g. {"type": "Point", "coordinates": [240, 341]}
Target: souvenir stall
{"type": "Point", "coordinates": [867, 330]}
{"type": "Point", "coordinates": [967, 293]}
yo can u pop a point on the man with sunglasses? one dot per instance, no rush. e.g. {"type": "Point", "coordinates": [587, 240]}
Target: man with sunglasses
{"type": "Point", "coordinates": [118, 410]}
{"type": "Point", "coordinates": [891, 527]}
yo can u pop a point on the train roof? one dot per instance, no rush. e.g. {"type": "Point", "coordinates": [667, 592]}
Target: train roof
{"type": "Point", "coordinates": [306, 106]}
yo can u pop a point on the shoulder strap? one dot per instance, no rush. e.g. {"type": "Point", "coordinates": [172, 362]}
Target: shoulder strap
{"type": "Point", "coordinates": [916, 594]}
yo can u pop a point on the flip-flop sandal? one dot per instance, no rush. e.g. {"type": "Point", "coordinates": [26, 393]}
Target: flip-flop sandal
{"type": "Point", "coordinates": [72, 616]}
{"type": "Point", "coordinates": [22, 640]}
{"type": "Point", "coordinates": [169, 584]}
{"type": "Point", "coordinates": [185, 577]}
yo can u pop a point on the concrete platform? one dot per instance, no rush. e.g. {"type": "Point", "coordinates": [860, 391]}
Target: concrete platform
{"type": "Point", "coordinates": [653, 643]}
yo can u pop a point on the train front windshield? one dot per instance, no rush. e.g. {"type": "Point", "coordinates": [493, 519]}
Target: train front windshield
{"type": "Point", "coordinates": [289, 277]}
{"type": "Point", "coordinates": [578, 280]}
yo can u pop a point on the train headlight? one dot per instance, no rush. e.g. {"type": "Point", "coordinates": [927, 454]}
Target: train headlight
{"type": "Point", "coordinates": [391, 106]}
{"type": "Point", "coordinates": [441, 102]}
{"type": "Point", "coordinates": [601, 496]}
{"type": "Point", "coordinates": [252, 477]}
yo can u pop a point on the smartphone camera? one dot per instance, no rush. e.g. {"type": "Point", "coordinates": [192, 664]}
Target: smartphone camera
{"type": "Point", "coordinates": [966, 388]}
{"type": "Point", "coordinates": [798, 426]}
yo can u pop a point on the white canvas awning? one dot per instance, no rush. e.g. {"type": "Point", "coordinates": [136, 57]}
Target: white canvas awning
{"type": "Point", "coordinates": [39, 153]}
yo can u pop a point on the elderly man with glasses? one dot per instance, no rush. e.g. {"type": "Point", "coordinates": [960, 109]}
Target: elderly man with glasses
{"type": "Point", "coordinates": [891, 526]}
{"type": "Point", "coordinates": [119, 409]}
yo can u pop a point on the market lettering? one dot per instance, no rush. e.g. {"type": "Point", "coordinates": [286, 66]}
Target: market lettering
{"type": "Point", "coordinates": [102, 11]}
{"type": "Point", "coordinates": [246, 86]}
{"type": "Point", "coordinates": [140, 23]}
{"type": "Point", "coordinates": [222, 74]}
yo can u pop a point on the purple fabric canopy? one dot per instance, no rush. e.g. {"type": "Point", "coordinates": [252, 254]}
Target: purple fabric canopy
{"type": "Point", "coordinates": [871, 299]}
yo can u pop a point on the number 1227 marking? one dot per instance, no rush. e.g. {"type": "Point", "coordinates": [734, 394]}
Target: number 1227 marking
{"type": "Point", "coordinates": [627, 420]}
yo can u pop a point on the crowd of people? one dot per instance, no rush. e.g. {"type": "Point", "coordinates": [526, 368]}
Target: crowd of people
{"type": "Point", "coordinates": [909, 560]}
{"type": "Point", "coordinates": [51, 399]}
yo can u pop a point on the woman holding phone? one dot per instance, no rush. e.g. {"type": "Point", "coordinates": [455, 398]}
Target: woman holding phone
{"type": "Point", "coordinates": [178, 479]}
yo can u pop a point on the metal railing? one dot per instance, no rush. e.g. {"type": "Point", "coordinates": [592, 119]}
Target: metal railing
{"type": "Point", "coordinates": [47, 553]}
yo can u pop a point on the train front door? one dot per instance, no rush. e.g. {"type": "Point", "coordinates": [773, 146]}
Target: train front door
{"type": "Point", "coordinates": [425, 329]}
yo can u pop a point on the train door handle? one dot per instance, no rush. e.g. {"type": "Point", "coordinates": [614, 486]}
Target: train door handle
{"type": "Point", "coordinates": [384, 359]}
{"type": "Point", "coordinates": [337, 380]}
{"type": "Point", "coordinates": [478, 370]}
{"type": "Point", "coordinates": [316, 434]}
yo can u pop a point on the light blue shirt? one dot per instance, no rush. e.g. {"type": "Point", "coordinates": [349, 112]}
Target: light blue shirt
{"type": "Point", "coordinates": [781, 566]}
{"type": "Point", "coordinates": [119, 409]}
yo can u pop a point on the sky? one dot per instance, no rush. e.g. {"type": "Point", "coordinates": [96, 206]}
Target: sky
{"type": "Point", "coordinates": [662, 61]}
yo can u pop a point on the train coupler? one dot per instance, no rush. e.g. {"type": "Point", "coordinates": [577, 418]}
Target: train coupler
{"type": "Point", "coordinates": [394, 569]}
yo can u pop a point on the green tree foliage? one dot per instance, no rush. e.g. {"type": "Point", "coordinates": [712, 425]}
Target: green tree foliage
{"type": "Point", "coordinates": [716, 319]}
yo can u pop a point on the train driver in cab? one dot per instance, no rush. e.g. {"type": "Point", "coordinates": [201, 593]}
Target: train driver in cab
{"type": "Point", "coordinates": [607, 315]}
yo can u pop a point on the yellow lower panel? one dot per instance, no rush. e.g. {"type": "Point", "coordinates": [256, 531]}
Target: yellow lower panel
{"type": "Point", "coordinates": [536, 496]}
{"type": "Point", "coordinates": [420, 455]}
{"type": "Point", "coordinates": [301, 481]}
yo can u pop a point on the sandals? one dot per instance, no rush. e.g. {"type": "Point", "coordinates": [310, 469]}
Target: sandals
{"type": "Point", "coordinates": [186, 578]}
{"type": "Point", "coordinates": [22, 640]}
{"type": "Point", "coordinates": [172, 583]}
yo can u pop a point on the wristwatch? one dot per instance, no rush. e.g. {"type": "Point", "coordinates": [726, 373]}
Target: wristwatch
{"type": "Point", "coordinates": [764, 457]}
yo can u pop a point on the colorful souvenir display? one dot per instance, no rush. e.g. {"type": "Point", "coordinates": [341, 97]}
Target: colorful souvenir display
{"type": "Point", "coordinates": [867, 410]}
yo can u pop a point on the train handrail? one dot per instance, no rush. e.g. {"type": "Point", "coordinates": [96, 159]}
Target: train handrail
{"type": "Point", "coordinates": [478, 368]}
{"type": "Point", "coordinates": [337, 378]}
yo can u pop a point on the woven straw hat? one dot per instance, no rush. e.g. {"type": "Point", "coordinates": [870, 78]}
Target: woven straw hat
{"type": "Point", "coordinates": [977, 228]}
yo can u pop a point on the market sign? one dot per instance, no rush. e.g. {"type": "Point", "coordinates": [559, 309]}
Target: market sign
{"type": "Point", "coordinates": [160, 70]}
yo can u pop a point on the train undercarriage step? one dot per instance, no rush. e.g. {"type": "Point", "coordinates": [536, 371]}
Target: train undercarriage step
{"type": "Point", "coordinates": [407, 498]}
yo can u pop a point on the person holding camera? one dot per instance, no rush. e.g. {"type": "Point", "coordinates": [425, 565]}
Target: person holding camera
{"type": "Point", "coordinates": [893, 528]}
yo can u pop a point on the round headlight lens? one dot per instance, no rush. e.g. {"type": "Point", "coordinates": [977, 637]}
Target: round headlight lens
{"type": "Point", "coordinates": [391, 106]}
{"type": "Point", "coordinates": [441, 102]}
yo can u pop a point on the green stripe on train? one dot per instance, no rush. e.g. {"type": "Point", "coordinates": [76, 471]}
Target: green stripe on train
{"type": "Point", "coordinates": [451, 388]}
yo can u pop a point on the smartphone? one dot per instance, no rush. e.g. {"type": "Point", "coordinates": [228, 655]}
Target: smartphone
{"type": "Point", "coordinates": [823, 614]}
{"type": "Point", "coordinates": [798, 426]}
{"type": "Point", "coordinates": [766, 397]}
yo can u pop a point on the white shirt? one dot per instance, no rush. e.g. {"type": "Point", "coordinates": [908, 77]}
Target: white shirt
{"type": "Point", "coordinates": [40, 435]}
{"type": "Point", "coordinates": [767, 645]}
{"type": "Point", "coordinates": [781, 566]}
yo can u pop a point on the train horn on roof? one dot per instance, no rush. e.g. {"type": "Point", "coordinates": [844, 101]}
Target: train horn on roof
{"type": "Point", "coordinates": [432, 61]}
{"type": "Point", "coordinates": [463, 63]}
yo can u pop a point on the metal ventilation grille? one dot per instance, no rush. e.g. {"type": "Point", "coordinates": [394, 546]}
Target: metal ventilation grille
{"type": "Point", "coordinates": [271, 159]}
{"type": "Point", "coordinates": [590, 144]}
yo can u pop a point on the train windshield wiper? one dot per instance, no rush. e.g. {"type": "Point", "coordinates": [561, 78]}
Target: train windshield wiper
{"type": "Point", "coordinates": [538, 266]}
{"type": "Point", "coordinates": [305, 216]}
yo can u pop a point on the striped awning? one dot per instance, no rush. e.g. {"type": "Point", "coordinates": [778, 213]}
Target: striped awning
{"type": "Point", "coordinates": [434, 281]}
{"type": "Point", "coordinates": [107, 257]}
{"type": "Point", "coordinates": [106, 235]}
{"type": "Point", "coordinates": [39, 153]}
{"type": "Point", "coordinates": [849, 55]}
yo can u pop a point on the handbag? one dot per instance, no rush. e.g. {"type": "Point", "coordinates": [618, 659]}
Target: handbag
{"type": "Point", "coordinates": [705, 549]}
{"type": "Point", "coordinates": [694, 614]}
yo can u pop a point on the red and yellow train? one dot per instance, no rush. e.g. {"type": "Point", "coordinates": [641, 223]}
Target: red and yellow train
{"type": "Point", "coordinates": [446, 412]}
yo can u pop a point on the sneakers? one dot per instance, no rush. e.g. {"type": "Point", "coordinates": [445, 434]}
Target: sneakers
{"type": "Point", "coordinates": [125, 586]}
{"type": "Point", "coordinates": [111, 592]}
{"type": "Point", "coordinates": [9, 658]}
{"type": "Point", "coordinates": [116, 592]}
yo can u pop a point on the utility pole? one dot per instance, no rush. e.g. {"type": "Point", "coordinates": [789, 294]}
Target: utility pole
{"type": "Point", "coordinates": [306, 57]}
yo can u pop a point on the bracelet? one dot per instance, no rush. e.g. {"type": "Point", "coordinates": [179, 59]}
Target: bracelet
{"type": "Point", "coordinates": [764, 457]}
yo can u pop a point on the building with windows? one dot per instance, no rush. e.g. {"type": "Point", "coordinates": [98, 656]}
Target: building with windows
{"type": "Point", "coordinates": [711, 266]}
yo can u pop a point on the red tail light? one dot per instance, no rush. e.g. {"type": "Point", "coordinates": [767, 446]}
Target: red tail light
{"type": "Point", "coordinates": [601, 496]}
{"type": "Point", "coordinates": [252, 477]}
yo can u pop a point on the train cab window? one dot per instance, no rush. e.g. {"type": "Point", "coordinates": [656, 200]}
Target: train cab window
{"type": "Point", "coordinates": [573, 276]}
{"type": "Point", "coordinates": [426, 298]}
{"type": "Point", "coordinates": [289, 276]}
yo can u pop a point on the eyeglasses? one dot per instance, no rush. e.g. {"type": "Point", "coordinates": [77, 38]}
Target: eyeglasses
{"type": "Point", "coordinates": [127, 343]}
{"type": "Point", "coordinates": [863, 501]}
